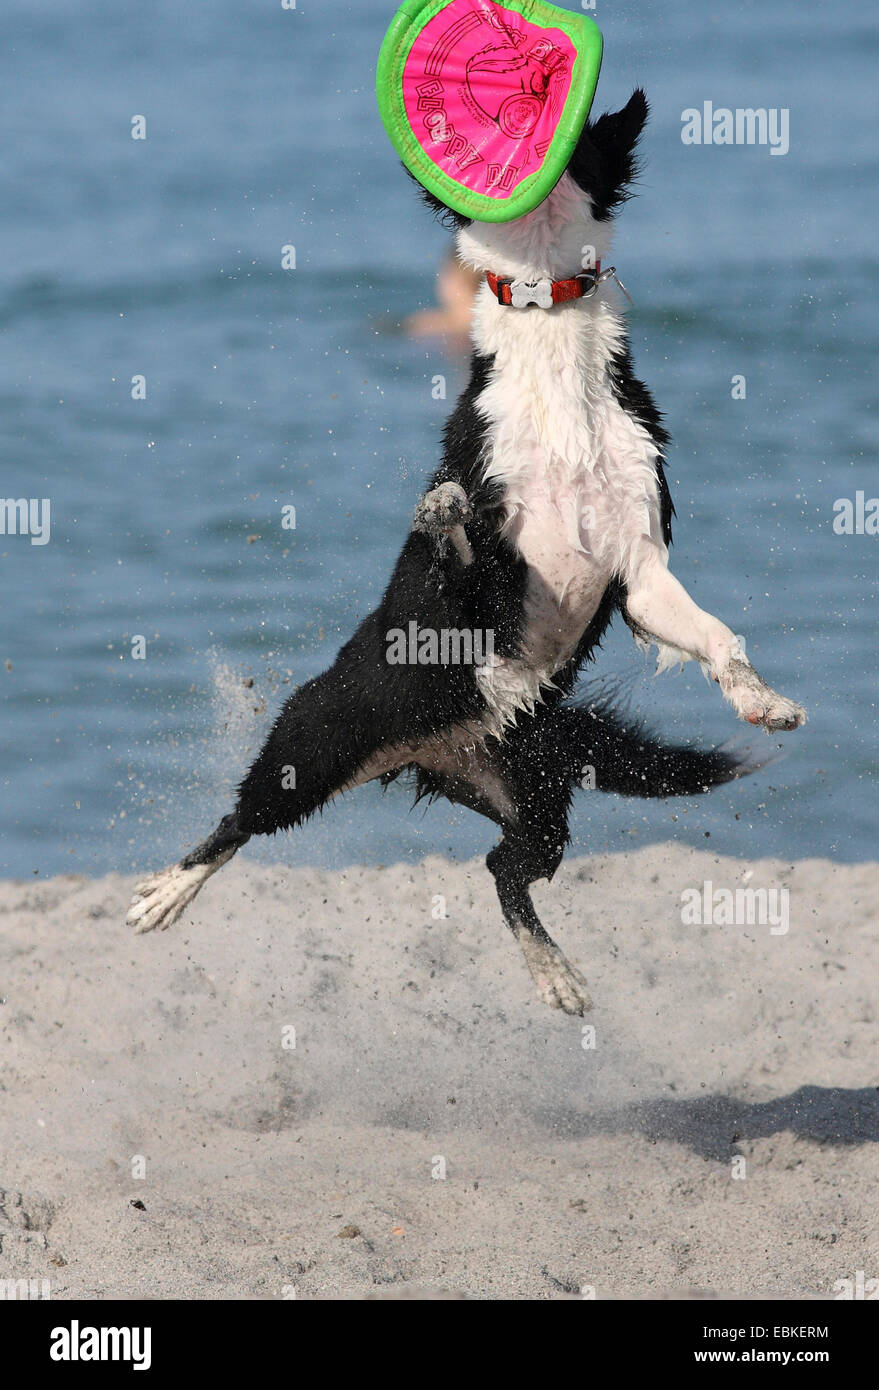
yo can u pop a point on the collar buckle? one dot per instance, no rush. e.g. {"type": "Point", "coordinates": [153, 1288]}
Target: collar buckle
{"type": "Point", "coordinates": [598, 277]}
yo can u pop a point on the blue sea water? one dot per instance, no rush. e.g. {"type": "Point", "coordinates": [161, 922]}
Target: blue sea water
{"type": "Point", "coordinates": [266, 387]}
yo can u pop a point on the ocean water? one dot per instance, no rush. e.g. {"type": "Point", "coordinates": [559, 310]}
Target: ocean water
{"type": "Point", "coordinates": [268, 387]}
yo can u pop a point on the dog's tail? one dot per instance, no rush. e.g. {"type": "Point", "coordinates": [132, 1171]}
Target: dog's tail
{"type": "Point", "coordinates": [614, 754]}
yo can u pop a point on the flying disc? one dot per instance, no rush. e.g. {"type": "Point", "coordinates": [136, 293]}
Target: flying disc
{"type": "Point", "coordinates": [484, 101]}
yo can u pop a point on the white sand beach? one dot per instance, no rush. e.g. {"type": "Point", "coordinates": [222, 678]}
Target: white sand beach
{"type": "Point", "coordinates": [720, 1138]}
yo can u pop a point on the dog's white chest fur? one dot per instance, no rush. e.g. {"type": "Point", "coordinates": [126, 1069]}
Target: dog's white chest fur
{"type": "Point", "coordinates": [577, 472]}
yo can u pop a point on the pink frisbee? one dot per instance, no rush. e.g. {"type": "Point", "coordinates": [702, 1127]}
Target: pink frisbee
{"type": "Point", "coordinates": [484, 102]}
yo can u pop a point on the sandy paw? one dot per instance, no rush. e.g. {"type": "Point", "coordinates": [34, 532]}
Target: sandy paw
{"type": "Point", "coordinates": [442, 509]}
{"type": "Point", "coordinates": [159, 900]}
{"type": "Point", "coordinates": [774, 713]}
{"type": "Point", "coordinates": [559, 984]}
{"type": "Point", "coordinates": [755, 701]}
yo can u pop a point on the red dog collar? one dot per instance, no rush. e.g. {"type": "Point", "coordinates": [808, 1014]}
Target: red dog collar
{"type": "Point", "coordinates": [546, 293]}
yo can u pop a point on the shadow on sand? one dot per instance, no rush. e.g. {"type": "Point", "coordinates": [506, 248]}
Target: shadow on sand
{"type": "Point", "coordinates": [713, 1126]}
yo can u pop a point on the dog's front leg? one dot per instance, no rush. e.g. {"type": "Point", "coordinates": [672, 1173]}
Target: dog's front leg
{"type": "Point", "coordinates": [658, 608]}
{"type": "Point", "coordinates": [442, 513]}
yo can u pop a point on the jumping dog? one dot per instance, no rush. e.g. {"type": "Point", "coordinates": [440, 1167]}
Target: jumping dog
{"type": "Point", "coordinates": [549, 513]}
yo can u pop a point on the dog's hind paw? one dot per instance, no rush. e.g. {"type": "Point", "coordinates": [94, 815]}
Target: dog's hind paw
{"type": "Point", "coordinates": [559, 984]}
{"type": "Point", "coordinates": [159, 900]}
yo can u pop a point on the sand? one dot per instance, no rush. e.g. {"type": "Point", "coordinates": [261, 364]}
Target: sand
{"type": "Point", "coordinates": [436, 1130]}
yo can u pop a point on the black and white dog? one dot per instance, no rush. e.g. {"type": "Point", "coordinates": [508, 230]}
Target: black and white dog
{"type": "Point", "coordinates": [550, 512]}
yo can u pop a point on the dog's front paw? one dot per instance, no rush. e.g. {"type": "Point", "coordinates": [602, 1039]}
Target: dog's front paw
{"type": "Point", "coordinates": [774, 713]}
{"type": "Point", "coordinates": [756, 702]}
{"type": "Point", "coordinates": [442, 509]}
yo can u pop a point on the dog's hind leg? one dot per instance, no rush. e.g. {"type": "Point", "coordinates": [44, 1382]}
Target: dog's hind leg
{"type": "Point", "coordinates": [539, 773]}
{"type": "Point", "coordinates": [515, 864]}
{"type": "Point", "coordinates": [524, 784]}
{"type": "Point", "coordinates": [159, 900]}
{"type": "Point", "coordinates": [361, 718]}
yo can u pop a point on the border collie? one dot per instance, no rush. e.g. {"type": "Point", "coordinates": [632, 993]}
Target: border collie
{"type": "Point", "coordinates": [549, 513]}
